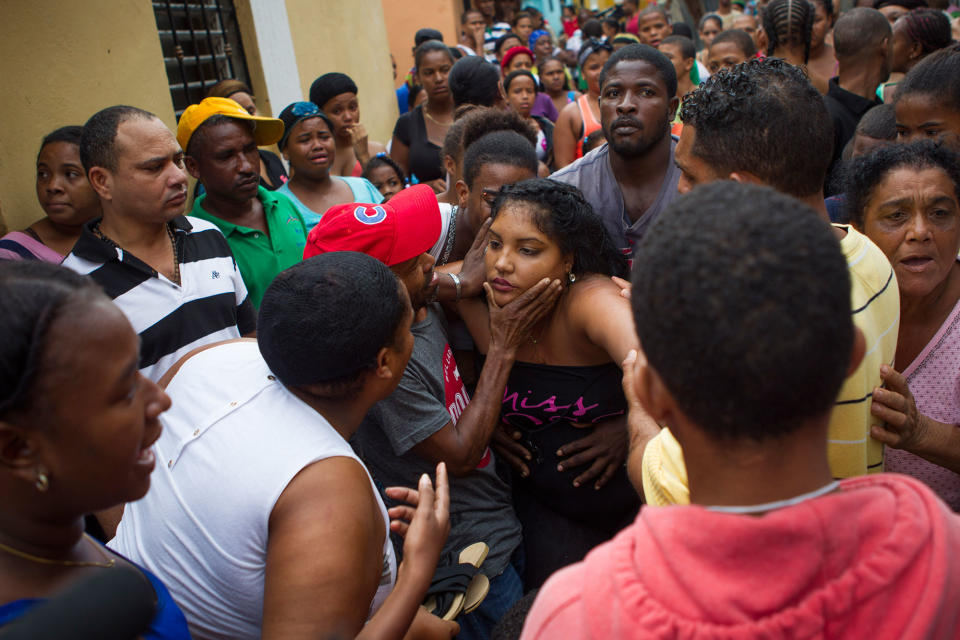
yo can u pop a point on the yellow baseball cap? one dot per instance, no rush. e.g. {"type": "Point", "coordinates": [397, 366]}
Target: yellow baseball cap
{"type": "Point", "coordinates": [266, 131]}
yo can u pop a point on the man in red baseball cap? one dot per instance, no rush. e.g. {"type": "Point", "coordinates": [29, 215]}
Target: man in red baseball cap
{"type": "Point", "coordinates": [430, 417]}
{"type": "Point", "coordinates": [398, 233]}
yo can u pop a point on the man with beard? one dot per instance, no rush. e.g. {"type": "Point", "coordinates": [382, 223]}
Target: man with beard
{"type": "Point", "coordinates": [632, 178]}
{"type": "Point", "coordinates": [264, 229]}
{"type": "Point", "coordinates": [430, 418]}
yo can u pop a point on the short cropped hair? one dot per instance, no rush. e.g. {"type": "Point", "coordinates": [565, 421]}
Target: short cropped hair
{"type": "Point", "coordinates": [859, 30]}
{"type": "Point", "coordinates": [69, 134]}
{"type": "Point", "coordinates": [652, 9]}
{"type": "Point", "coordinates": [763, 116]}
{"type": "Point", "coordinates": [879, 122]}
{"type": "Point", "coordinates": [738, 37]}
{"type": "Point", "coordinates": [98, 146]}
{"type": "Point", "coordinates": [687, 48]}
{"type": "Point", "coordinates": [741, 299]}
{"type": "Point", "coordinates": [323, 320]}
{"type": "Point", "coordinates": [865, 173]}
{"type": "Point", "coordinates": [647, 54]}
{"type": "Point", "coordinates": [500, 147]}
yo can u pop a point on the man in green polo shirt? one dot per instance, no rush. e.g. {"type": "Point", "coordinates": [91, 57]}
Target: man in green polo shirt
{"type": "Point", "coordinates": [264, 229]}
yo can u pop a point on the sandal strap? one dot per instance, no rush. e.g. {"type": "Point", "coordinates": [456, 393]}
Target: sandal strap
{"type": "Point", "coordinates": [448, 582]}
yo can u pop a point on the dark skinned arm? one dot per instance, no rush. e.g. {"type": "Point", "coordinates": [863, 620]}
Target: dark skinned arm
{"type": "Point", "coordinates": [463, 444]}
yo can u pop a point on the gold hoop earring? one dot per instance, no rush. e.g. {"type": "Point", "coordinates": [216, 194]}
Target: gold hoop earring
{"type": "Point", "coordinates": [43, 481]}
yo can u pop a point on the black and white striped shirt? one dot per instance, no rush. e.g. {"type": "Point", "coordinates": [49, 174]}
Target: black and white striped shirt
{"type": "Point", "coordinates": [210, 303]}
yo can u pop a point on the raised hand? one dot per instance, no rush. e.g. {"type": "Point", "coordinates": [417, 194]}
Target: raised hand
{"type": "Point", "coordinates": [424, 521]}
{"type": "Point", "coordinates": [510, 325]}
{"type": "Point", "coordinates": [474, 270]}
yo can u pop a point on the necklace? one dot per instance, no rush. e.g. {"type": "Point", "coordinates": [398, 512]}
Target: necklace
{"type": "Point", "coordinates": [779, 504]}
{"type": "Point", "coordinates": [110, 562]}
{"type": "Point", "coordinates": [427, 113]}
{"type": "Point", "coordinates": [173, 243]}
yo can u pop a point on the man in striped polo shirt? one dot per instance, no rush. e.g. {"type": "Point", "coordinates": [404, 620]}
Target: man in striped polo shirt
{"type": "Point", "coordinates": [763, 122]}
{"type": "Point", "coordinates": [173, 277]}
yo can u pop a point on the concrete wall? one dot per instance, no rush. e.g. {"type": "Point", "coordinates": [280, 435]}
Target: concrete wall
{"type": "Point", "coordinates": [405, 17]}
{"type": "Point", "coordinates": [348, 36]}
{"type": "Point", "coordinates": [62, 66]}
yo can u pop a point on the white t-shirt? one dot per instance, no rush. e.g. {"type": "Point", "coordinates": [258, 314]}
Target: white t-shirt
{"type": "Point", "coordinates": [233, 440]}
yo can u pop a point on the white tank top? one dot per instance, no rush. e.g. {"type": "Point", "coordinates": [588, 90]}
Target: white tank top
{"type": "Point", "coordinates": [232, 441]}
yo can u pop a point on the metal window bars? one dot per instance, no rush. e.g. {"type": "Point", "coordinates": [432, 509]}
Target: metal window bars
{"type": "Point", "coordinates": [201, 46]}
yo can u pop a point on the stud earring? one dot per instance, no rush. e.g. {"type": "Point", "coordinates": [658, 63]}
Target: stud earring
{"type": "Point", "coordinates": [571, 277]}
{"type": "Point", "coordinates": [43, 481]}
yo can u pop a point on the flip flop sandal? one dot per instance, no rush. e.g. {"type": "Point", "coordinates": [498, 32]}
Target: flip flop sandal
{"type": "Point", "coordinates": [459, 588]}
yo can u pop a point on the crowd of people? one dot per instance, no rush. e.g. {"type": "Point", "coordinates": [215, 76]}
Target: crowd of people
{"type": "Point", "coordinates": [634, 328]}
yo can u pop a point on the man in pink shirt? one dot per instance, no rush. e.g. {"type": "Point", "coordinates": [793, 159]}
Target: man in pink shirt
{"type": "Point", "coordinates": [741, 299]}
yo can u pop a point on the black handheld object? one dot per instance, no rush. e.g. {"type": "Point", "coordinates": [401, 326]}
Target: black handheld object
{"type": "Point", "coordinates": [115, 604]}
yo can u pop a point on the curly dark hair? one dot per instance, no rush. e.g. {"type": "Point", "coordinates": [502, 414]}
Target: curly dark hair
{"type": "Point", "coordinates": [741, 299]}
{"type": "Point", "coordinates": [789, 23]}
{"type": "Point", "coordinates": [561, 212]}
{"type": "Point", "coordinates": [863, 174]}
{"type": "Point", "coordinates": [763, 116]}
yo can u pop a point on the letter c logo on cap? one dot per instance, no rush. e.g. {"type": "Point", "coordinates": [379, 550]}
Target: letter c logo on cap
{"type": "Point", "coordinates": [377, 215]}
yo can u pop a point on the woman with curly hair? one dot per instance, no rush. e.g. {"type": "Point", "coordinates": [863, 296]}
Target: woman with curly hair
{"type": "Point", "coordinates": [906, 199]}
{"type": "Point", "coordinates": [563, 410]}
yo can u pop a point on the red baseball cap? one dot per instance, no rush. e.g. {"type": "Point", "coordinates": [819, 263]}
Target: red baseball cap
{"type": "Point", "coordinates": [392, 232]}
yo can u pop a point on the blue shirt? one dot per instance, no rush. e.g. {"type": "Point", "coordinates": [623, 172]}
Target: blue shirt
{"type": "Point", "coordinates": [363, 191]}
{"type": "Point", "coordinates": [168, 623]}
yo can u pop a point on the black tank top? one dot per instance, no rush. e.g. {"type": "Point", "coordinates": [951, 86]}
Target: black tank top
{"type": "Point", "coordinates": [552, 406]}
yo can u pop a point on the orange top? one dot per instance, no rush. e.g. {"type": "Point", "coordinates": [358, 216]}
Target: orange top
{"type": "Point", "coordinates": [590, 123]}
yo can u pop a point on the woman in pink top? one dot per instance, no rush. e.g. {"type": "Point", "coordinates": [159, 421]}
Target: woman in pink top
{"type": "Point", "coordinates": [65, 196]}
{"type": "Point", "coordinates": [905, 199]}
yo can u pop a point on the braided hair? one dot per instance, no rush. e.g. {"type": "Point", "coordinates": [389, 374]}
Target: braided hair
{"type": "Point", "coordinates": [929, 28]}
{"type": "Point", "coordinates": [789, 23]}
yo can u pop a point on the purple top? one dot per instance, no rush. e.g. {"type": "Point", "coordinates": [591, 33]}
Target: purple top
{"type": "Point", "coordinates": [934, 381]}
{"type": "Point", "coordinates": [543, 106]}
{"type": "Point", "coordinates": [18, 245]}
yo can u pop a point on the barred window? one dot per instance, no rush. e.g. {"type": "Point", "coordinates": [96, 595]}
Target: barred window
{"type": "Point", "coordinates": [201, 46]}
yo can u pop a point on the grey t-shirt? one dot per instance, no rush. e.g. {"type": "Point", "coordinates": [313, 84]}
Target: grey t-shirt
{"type": "Point", "coordinates": [430, 394]}
{"type": "Point", "coordinates": [593, 175]}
